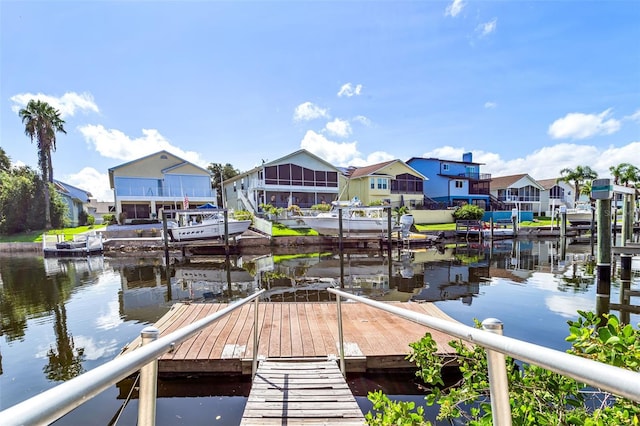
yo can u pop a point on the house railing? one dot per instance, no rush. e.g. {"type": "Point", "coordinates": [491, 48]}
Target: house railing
{"type": "Point", "coordinates": [54, 403]}
{"type": "Point", "coordinates": [619, 381]}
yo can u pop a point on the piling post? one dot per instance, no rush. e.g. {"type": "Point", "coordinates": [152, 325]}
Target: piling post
{"type": "Point", "coordinates": [625, 287]}
{"type": "Point", "coordinates": [603, 282]}
{"type": "Point", "coordinates": [165, 235]}
{"type": "Point", "coordinates": [226, 232]}
{"type": "Point", "coordinates": [626, 221]}
{"type": "Point", "coordinates": [148, 383]}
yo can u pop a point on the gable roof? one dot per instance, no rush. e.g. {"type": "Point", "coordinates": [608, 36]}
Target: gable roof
{"type": "Point", "coordinates": [72, 191]}
{"type": "Point", "coordinates": [503, 182]}
{"type": "Point", "coordinates": [298, 152]}
{"type": "Point", "coordinates": [550, 183]}
{"type": "Point", "coordinates": [359, 172]}
{"type": "Point", "coordinates": [179, 161]}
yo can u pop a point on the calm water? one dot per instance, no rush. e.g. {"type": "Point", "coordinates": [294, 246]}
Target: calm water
{"type": "Point", "coordinates": [62, 317]}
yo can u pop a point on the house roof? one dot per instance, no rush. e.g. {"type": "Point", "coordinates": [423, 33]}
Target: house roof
{"type": "Point", "coordinates": [503, 182]}
{"type": "Point", "coordinates": [72, 191]}
{"type": "Point", "coordinates": [377, 169]}
{"type": "Point", "coordinates": [181, 161]}
{"type": "Point", "coordinates": [359, 172]}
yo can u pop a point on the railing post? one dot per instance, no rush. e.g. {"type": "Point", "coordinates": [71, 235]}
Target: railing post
{"type": "Point", "coordinates": [148, 383]}
{"type": "Point", "coordinates": [340, 336]}
{"type": "Point", "coordinates": [498, 383]}
{"type": "Point", "coordinates": [254, 364]}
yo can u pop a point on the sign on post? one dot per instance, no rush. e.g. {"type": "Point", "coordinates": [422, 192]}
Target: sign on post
{"type": "Point", "coordinates": [601, 189]}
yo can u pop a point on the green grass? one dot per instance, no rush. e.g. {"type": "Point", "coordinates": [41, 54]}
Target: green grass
{"type": "Point", "coordinates": [278, 230]}
{"type": "Point", "coordinates": [36, 236]}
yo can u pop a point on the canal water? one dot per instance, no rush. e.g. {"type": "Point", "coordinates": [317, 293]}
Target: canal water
{"type": "Point", "coordinates": [61, 317]}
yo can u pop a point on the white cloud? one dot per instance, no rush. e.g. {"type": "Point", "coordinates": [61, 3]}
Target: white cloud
{"type": "Point", "coordinates": [349, 90]}
{"type": "Point", "coordinates": [341, 154]}
{"type": "Point", "coordinates": [67, 104]}
{"type": "Point", "coordinates": [634, 117]}
{"type": "Point", "coordinates": [339, 127]}
{"type": "Point", "coordinates": [93, 181]}
{"type": "Point", "coordinates": [362, 120]}
{"type": "Point", "coordinates": [487, 27]}
{"type": "Point", "coordinates": [308, 111]}
{"type": "Point", "coordinates": [455, 8]}
{"type": "Point", "coordinates": [568, 306]}
{"type": "Point", "coordinates": [112, 143]}
{"type": "Point", "coordinates": [577, 125]}
{"type": "Point", "coordinates": [490, 105]}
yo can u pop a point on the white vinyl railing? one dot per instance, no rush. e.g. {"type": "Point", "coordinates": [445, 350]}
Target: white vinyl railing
{"type": "Point", "coordinates": [619, 381]}
{"type": "Point", "coordinates": [54, 403]}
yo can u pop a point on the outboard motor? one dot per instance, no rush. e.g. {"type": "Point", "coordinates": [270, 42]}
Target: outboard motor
{"type": "Point", "coordinates": [406, 221]}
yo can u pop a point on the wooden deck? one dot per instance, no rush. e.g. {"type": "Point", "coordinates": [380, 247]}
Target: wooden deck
{"type": "Point", "coordinates": [374, 340]}
{"type": "Point", "coordinates": [300, 393]}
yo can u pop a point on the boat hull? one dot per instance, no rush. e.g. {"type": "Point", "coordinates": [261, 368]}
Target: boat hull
{"type": "Point", "coordinates": [208, 231]}
{"type": "Point", "coordinates": [360, 226]}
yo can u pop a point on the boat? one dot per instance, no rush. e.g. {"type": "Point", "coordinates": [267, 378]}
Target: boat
{"type": "Point", "coordinates": [582, 214]}
{"type": "Point", "coordinates": [356, 219]}
{"type": "Point", "coordinates": [204, 226]}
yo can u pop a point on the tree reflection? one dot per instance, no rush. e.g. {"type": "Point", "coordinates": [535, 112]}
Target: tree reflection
{"type": "Point", "coordinates": [65, 361]}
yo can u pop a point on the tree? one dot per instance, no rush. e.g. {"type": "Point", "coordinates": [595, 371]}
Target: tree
{"type": "Point", "coordinates": [577, 177]}
{"type": "Point", "coordinates": [221, 173]}
{"type": "Point", "coordinates": [5, 161]}
{"type": "Point", "coordinates": [42, 122]}
{"type": "Point", "coordinates": [618, 171]}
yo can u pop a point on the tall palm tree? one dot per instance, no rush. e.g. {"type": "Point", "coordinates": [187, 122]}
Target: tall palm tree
{"type": "Point", "coordinates": [577, 177]}
{"type": "Point", "coordinates": [618, 171]}
{"type": "Point", "coordinates": [42, 122]}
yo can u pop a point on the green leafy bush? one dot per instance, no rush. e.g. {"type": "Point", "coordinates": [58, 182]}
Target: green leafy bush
{"type": "Point", "coordinates": [537, 396]}
{"type": "Point", "coordinates": [468, 212]}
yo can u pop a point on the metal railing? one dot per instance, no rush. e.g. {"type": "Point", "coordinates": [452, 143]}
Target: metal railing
{"type": "Point", "coordinates": [54, 403]}
{"type": "Point", "coordinates": [619, 381]}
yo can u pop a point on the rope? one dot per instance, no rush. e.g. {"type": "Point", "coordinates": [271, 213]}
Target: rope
{"type": "Point", "coordinates": [116, 417]}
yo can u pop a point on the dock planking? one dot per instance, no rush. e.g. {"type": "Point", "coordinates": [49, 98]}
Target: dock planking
{"type": "Point", "coordinates": [374, 340]}
{"type": "Point", "coordinates": [300, 393]}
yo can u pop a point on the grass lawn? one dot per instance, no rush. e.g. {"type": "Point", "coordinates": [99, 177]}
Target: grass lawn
{"type": "Point", "coordinates": [278, 230]}
{"type": "Point", "coordinates": [36, 236]}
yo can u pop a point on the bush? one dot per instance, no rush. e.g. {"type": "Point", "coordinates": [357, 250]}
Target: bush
{"type": "Point", "coordinates": [243, 215]}
{"type": "Point", "coordinates": [122, 218]}
{"type": "Point", "coordinates": [109, 219]}
{"type": "Point", "coordinates": [321, 207]}
{"type": "Point", "coordinates": [468, 212]}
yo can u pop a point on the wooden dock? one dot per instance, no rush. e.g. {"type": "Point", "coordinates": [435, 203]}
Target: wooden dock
{"type": "Point", "coordinates": [300, 393]}
{"type": "Point", "coordinates": [374, 340]}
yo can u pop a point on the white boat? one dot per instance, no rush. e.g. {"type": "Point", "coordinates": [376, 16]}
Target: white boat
{"type": "Point", "coordinates": [580, 215]}
{"type": "Point", "coordinates": [356, 219]}
{"type": "Point", "coordinates": [204, 226]}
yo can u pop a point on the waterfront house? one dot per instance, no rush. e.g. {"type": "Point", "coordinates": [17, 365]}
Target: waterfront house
{"type": "Point", "coordinates": [160, 180]}
{"type": "Point", "coordinates": [554, 195]}
{"type": "Point", "coordinates": [300, 178]}
{"type": "Point", "coordinates": [393, 183]}
{"type": "Point", "coordinates": [519, 191]}
{"type": "Point", "coordinates": [452, 183]}
{"type": "Point", "coordinates": [75, 199]}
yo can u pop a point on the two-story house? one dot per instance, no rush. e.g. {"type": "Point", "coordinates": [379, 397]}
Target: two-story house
{"type": "Point", "coordinates": [519, 191]}
{"type": "Point", "coordinates": [160, 180]}
{"type": "Point", "coordinates": [554, 195]}
{"type": "Point", "coordinates": [392, 182]}
{"type": "Point", "coordinates": [452, 183]}
{"type": "Point", "coordinates": [300, 178]}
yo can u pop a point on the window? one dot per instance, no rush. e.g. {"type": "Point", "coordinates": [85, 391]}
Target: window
{"type": "Point", "coordinates": [459, 184]}
{"type": "Point", "coordinates": [372, 183]}
{"type": "Point", "coordinates": [445, 167]}
{"type": "Point", "coordinates": [382, 183]}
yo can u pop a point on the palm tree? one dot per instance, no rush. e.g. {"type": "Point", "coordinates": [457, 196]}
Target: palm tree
{"type": "Point", "coordinates": [42, 122]}
{"type": "Point", "coordinates": [577, 177]}
{"type": "Point", "coordinates": [618, 171]}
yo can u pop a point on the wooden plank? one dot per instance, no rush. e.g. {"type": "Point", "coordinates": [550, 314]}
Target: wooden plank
{"type": "Point", "coordinates": [285, 331]}
{"type": "Point", "coordinates": [308, 348]}
{"type": "Point", "coordinates": [300, 393]}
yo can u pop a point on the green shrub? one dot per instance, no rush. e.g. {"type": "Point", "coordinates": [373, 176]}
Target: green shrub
{"type": "Point", "coordinates": [321, 207]}
{"type": "Point", "coordinates": [468, 212]}
{"type": "Point", "coordinates": [109, 219]}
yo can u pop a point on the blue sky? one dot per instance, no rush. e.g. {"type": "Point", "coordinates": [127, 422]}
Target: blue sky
{"type": "Point", "coordinates": [527, 86]}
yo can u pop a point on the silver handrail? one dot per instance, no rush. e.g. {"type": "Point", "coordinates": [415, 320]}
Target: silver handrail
{"type": "Point", "coordinates": [619, 381]}
{"type": "Point", "coordinates": [54, 403]}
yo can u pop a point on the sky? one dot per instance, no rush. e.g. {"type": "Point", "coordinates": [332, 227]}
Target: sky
{"type": "Point", "coordinates": [526, 86]}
